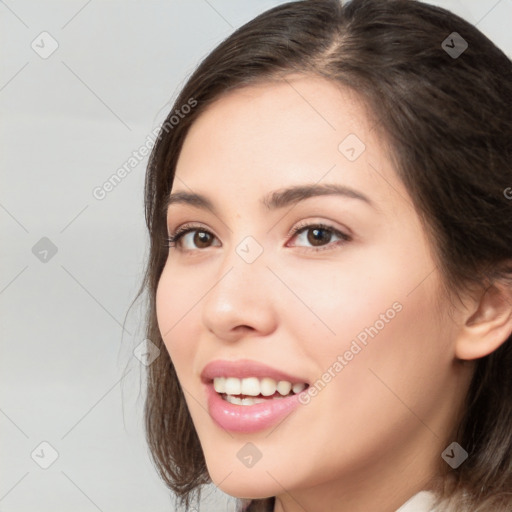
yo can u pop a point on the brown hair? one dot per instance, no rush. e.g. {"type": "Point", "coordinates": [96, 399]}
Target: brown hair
{"type": "Point", "coordinates": [448, 122]}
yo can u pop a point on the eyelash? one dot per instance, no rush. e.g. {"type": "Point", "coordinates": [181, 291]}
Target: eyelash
{"type": "Point", "coordinates": [174, 239]}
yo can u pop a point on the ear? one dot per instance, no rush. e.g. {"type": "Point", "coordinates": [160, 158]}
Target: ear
{"type": "Point", "coordinates": [487, 323]}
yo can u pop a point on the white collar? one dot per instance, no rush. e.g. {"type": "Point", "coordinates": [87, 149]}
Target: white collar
{"type": "Point", "coordinates": [421, 502]}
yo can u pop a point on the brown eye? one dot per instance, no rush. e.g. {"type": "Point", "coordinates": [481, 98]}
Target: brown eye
{"type": "Point", "coordinates": [201, 239]}
{"type": "Point", "coordinates": [319, 236]}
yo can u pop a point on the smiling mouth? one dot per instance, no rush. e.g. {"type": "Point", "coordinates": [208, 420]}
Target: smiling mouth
{"type": "Point", "coordinates": [253, 390]}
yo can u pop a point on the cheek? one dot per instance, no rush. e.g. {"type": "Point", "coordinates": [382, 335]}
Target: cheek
{"type": "Point", "coordinates": [177, 311]}
{"type": "Point", "coordinates": [375, 394]}
{"type": "Point", "coordinates": [373, 331]}
{"type": "Point", "coordinates": [340, 301]}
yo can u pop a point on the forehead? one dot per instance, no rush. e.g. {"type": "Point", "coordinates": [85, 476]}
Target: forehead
{"type": "Point", "coordinates": [297, 108]}
{"type": "Point", "coordinates": [295, 130]}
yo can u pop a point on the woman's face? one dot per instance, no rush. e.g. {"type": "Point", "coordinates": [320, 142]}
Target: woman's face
{"type": "Point", "coordinates": [351, 309]}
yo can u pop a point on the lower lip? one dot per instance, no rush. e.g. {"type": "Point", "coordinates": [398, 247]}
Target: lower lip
{"type": "Point", "coordinates": [249, 418]}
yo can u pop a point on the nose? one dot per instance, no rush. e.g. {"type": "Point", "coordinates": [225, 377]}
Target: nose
{"type": "Point", "coordinates": [240, 301]}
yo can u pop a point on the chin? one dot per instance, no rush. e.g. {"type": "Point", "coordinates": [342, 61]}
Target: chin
{"type": "Point", "coordinates": [247, 490]}
{"type": "Point", "coordinates": [243, 483]}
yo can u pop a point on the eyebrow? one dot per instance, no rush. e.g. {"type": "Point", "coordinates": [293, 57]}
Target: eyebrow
{"type": "Point", "coordinates": [277, 199]}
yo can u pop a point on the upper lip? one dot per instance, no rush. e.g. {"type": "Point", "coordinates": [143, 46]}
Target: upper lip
{"type": "Point", "coordinates": [243, 368]}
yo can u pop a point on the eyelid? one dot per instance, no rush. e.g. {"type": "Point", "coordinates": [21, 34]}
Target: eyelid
{"type": "Point", "coordinates": [187, 225]}
{"type": "Point", "coordinates": [342, 232]}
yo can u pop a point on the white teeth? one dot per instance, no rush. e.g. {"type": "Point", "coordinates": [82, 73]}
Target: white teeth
{"type": "Point", "coordinates": [297, 388]}
{"type": "Point", "coordinates": [252, 401]}
{"type": "Point", "coordinates": [268, 386]}
{"type": "Point", "coordinates": [284, 387]}
{"type": "Point", "coordinates": [234, 400]}
{"type": "Point", "coordinates": [232, 386]}
{"type": "Point", "coordinates": [244, 401]}
{"type": "Point", "coordinates": [252, 386]}
{"type": "Point", "coordinates": [219, 384]}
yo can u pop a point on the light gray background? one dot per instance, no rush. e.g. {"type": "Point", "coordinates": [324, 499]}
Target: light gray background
{"type": "Point", "coordinates": [68, 122]}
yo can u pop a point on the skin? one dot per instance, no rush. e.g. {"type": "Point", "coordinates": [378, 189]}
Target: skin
{"type": "Point", "coordinates": [373, 436]}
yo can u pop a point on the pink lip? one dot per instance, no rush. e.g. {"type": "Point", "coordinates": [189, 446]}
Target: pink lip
{"type": "Point", "coordinates": [247, 418]}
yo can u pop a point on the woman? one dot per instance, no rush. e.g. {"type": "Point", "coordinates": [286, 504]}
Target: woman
{"type": "Point", "coordinates": [331, 253]}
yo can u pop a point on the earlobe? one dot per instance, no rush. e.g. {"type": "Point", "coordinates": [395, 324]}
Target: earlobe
{"type": "Point", "coordinates": [488, 325]}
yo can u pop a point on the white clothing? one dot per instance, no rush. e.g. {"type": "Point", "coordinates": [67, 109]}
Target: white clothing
{"type": "Point", "coordinates": [420, 502]}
